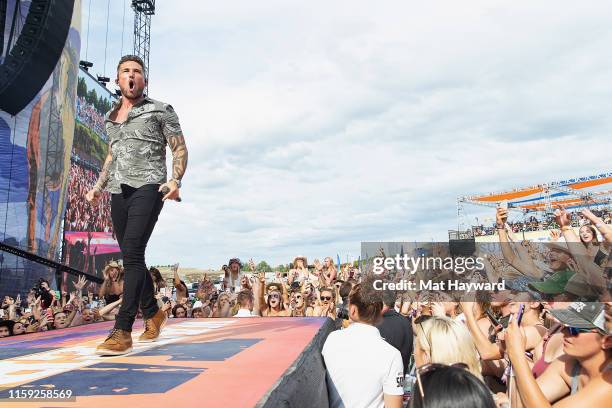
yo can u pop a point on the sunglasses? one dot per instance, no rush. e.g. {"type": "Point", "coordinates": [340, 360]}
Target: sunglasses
{"type": "Point", "coordinates": [574, 331]}
{"type": "Point", "coordinates": [428, 368]}
{"type": "Point", "coordinates": [325, 298]}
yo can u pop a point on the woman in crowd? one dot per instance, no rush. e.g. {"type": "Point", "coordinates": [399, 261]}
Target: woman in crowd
{"type": "Point", "coordinates": [580, 377]}
{"type": "Point", "coordinates": [299, 272]}
{"type": "Point", "coordinates": [442, 386]}
{"type": "Point", "coordinates": [158, 279]}
{"type": "Point", "coordinates": [112, 288]}
{"type": "Point", "coordinates": [179, 312]}
{"type": "Point", "coordinates": [532, 323]}
{"type": "Point", "coordinates": [442, 340]}
{"type": "Point", "coordinates": [297, 304]}
{"type": "Point", "coordinates": [327, 271]}
{"type": "Point", "coordinates": [597, 251]}
{"type": "Point", "coordinates": [327, 304]}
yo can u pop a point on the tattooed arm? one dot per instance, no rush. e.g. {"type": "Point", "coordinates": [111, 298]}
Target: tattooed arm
{"type": "Point", "coordinates": [179, 156]}
{"type": "Point", "coordinates": [94, 194]}
{"type": "Point", "coordinates": [104, 174]}
{"type": "Point", "coordinates": [174, 136]}
{"type": "Point", "coordinates": [179, 164]}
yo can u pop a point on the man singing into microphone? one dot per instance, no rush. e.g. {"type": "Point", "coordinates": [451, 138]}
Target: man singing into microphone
{"type": "Point", "coordinates": [134, 172]}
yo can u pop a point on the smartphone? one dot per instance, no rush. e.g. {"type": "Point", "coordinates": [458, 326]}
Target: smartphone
{"type": "Point", "coordinates": [27, 310]}
{"type": "Point", "coordinates": [504, 321]}
{"type": "Point", "coordinates": [165, 299]}
{"type": "Point", "coordinates": [492, 318]}
{"type": "Point", "coordinates": [519, 315]}
{"type": "Point", "coordinates": [503, 204]}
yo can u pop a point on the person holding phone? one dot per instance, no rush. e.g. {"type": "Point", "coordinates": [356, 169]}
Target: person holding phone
{"type": "Point", "coordinates": [582, 375]}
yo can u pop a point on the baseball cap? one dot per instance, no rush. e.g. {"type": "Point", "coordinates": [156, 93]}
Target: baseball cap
{"type": "Point", "coordinates": [583, 315]}
{"type": "Point", "coordinates": [554, 284]}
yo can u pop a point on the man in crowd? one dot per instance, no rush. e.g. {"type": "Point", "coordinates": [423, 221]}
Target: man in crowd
{"type": "Point", "coordinates": [395, 328]}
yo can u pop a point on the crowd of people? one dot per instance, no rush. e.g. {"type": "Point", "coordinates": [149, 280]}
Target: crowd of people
{"type": "Point", "coordinates": [544, 341]}
{"type": "Point", "coordinates": [90, 117]}
{"type": "Point", "coordinates": [532, 223]}
{"type": "Point", "coordinates": [80, 215]}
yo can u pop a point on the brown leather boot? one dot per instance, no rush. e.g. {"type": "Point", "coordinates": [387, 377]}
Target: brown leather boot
{"type": "Point", "coordinates": [118, 342]}
{"type": "Point", "coordinates": [153, 327]}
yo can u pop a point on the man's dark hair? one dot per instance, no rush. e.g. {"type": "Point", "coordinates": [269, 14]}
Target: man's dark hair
{"type": "Point", "coordinates": [388, 298]}
{"type": "Point", "coordinates": [245, 298]}
{"type": "Point", "coordinates": [452, 387]}
{"type": "Point", "coordinates": [345, 289]}
{"type": "Point", "coordinates": [134, 58]}
{"type": "Point", "coordinates": [368, 301]}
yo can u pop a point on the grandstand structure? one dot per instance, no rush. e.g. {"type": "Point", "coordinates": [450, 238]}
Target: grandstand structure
{"type": "Point", "coordinates": [542, 199]}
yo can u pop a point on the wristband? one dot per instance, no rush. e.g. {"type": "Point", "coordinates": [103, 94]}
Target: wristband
{"type": "Point", "coordinates": [566, 228]}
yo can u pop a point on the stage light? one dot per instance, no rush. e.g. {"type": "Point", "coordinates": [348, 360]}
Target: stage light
{"type": "Point", "coordinates": [103, 80]}
{"type": "Point", "coordinates": [85, 65]}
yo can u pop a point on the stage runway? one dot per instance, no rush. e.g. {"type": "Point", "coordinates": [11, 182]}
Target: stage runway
{"type": "Point", "coordinates": [196, 362]}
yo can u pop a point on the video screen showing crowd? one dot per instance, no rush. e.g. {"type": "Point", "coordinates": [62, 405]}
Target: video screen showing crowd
{"type": "Point", "coordinates": [89, 239]}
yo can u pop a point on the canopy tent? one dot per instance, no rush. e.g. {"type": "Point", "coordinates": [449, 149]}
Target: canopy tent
{"type": "Point", "coordinates": [571, 193]}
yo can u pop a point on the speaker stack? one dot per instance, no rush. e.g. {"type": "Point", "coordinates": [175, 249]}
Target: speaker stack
{"type": "Point", "coordinates": [35, 54]}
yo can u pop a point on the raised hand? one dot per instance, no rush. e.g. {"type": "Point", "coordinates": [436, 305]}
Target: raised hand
{"type": "Point", "coordinates": [93, 196]}
{"type": "Point", "coordinates": [251, 265]}
{"type": "Point", "coordinates": [555, 235]}
{"type": "Point", "coordinates": [80, 284]}
{"type": "Point", "coordinates": [501, 216]}
{"type": "Point", "coordinates": [562, 217]}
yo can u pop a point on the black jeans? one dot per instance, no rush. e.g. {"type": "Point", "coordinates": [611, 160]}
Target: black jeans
{"type": "Point", "coordinates": [134, 213]}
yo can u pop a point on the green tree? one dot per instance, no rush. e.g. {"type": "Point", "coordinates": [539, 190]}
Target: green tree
{"type": "Point", "coordinates": [81, 87]}
{"type": "Point", "coordinates": [263, 267]}
{"type": "Point", "coordinates": [92, 97]}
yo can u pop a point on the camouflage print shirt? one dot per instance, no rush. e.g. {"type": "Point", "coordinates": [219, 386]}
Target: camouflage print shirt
{"type": "Point", "coordinates": [138, 145]}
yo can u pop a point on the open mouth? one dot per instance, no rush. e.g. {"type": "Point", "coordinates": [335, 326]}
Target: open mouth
{"type": "Point", "coordinates": [131, 85]}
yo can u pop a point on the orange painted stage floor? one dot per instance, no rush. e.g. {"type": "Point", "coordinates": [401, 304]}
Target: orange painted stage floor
{"type": "Point", "coordinates": [196, 362]}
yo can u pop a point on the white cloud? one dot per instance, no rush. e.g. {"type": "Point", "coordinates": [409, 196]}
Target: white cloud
{"type": "Point", "coordinates": [313, 126]}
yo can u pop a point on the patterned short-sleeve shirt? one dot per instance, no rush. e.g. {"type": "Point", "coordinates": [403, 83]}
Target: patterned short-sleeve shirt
{"type": "Point", "coordinates": [138, 145]}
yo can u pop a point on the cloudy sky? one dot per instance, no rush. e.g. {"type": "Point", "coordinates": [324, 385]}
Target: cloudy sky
{"type": "Point", "coordinates": [313, 126]}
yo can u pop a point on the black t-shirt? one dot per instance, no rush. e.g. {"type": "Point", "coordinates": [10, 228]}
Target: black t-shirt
{"type": "Point", "coordinates": [397, 331]}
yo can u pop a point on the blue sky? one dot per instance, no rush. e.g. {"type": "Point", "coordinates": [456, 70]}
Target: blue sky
{"type": "Point", "coordinates": [313, 126]}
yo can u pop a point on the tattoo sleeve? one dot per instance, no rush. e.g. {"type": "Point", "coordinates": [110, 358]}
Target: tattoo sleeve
{"type": "Point", "coordinates": [104, 174]}
{"type": "Point", "coordinates": [179, 156]}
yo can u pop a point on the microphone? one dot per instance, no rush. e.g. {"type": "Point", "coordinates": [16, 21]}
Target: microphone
{"type": "Point", "coordinates": [165, 190]}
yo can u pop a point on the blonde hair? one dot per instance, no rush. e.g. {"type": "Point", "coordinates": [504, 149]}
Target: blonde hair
{"type": "Point", "coordinates": [448, 342]}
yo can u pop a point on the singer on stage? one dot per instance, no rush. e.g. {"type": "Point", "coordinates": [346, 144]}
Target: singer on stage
{"type": "Point", "coordinates": [134, 172]}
